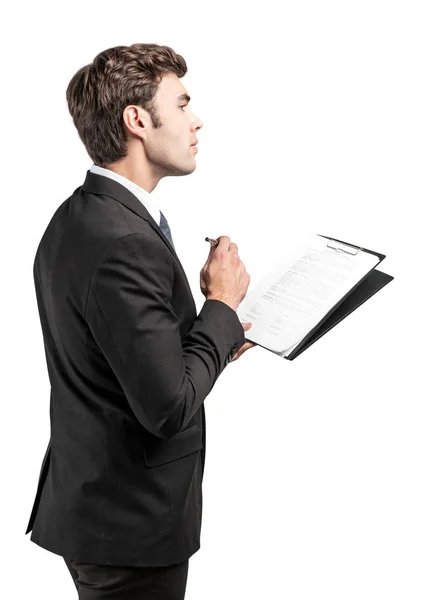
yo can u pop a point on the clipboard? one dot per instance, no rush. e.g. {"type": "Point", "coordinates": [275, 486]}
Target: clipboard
{"type": "Point", "coordinates": [364, 289]}
{"type": "Point", "coordinates": [369, 285]}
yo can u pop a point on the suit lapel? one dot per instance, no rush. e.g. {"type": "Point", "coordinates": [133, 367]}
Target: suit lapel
{"type": "Point", "coordinates": [104, 186]}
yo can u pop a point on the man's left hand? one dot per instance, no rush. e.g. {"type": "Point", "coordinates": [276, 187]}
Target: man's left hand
{"type": "Point", "coordinates": [246, 345]}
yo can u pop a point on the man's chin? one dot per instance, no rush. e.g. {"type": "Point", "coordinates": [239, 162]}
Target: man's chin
{"type": "Point", "coordinates": [180, 170]}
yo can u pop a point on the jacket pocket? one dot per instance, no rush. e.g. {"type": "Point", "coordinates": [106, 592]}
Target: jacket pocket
{"type": "Point", "coordinates": [165, 451]}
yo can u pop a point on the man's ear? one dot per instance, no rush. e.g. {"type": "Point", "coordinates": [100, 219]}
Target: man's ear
{"type": "Point", "coordinates": [136, 120]}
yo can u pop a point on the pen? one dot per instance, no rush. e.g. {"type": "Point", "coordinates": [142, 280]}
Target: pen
{"type": "Point", "coordinates": [214, 242]}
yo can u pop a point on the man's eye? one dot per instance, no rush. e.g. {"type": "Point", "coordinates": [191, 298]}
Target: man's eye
{"type": "Point", "coordinates": [183, 106]}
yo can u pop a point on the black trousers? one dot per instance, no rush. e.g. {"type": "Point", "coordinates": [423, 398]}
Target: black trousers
{"type": "Point", "coordinates": [96, 582]}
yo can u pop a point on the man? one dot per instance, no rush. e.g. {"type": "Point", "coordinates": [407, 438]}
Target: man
{"type": "Point", "coordinates": [130, 362]}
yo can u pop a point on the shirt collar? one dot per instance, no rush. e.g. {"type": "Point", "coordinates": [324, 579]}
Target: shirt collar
{"type": "Point", "coordinates": [143, 196]}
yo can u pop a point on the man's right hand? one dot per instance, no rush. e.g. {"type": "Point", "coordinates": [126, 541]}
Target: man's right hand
{"type": "Point", "coordinates": [223, 276]}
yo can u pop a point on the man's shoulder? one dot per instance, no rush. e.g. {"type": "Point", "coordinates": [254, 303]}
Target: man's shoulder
{"type": "Point", "coordinates": [89, 225]}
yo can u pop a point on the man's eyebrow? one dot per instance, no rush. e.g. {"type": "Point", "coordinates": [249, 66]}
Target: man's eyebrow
{"type": "Point", "coordinates": [184, 97]}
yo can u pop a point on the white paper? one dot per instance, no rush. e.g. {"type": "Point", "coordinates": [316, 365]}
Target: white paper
{"type": "Point", "coordinates": [285, 305]}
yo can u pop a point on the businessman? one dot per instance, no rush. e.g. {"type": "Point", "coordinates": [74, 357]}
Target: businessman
{"type": "Point", "coordinates": [130, 361]}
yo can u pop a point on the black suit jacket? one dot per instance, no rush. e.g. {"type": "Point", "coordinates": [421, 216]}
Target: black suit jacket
{"type": "Point", "coordinates": [130, 363]}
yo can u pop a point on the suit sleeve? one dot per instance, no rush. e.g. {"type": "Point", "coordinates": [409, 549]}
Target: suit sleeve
{"type": "Point", "coordinates": [164, 378]}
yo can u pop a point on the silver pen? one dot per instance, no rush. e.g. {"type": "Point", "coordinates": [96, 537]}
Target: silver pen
{"type": "Point", "coordinates": [214, 242]}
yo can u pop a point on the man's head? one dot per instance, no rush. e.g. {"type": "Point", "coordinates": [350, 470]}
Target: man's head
{"type": "Point", "coordinates": [132, 114]}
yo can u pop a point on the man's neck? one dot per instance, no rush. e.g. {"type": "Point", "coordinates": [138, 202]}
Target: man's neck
{"type": "Point", "coordinates": [142, 176]}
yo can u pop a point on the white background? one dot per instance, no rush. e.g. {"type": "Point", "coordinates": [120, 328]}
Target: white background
{"type": "Point", "coordinates": [314, 120]}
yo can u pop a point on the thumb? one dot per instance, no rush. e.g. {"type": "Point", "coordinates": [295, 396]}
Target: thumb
{"type": "Point", "coordinates": [211, 251]}
{"type": "Point", "coordinates": [246, 326]}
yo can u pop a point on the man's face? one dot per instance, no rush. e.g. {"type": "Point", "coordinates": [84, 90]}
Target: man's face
{"type": "Point", "coordinates": [169, 147]}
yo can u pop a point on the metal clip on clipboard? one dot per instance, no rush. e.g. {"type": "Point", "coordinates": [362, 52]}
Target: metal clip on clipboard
{"type": "Point", "coordinates": [338, 249]}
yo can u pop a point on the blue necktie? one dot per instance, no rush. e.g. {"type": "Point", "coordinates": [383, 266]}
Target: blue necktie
{"type": "Point", "coordinates": [165, 228]}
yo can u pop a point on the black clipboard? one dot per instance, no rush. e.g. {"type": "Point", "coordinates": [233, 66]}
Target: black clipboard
{"type": "Point", "coordinates": [364, 289]}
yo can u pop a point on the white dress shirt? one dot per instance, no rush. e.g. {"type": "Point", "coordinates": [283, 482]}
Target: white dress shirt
{"type": "Point", "coordinates": [142, 195]}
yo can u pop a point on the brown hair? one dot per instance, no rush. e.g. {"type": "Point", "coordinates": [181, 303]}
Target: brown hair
{"type": "Point", "coordinates": [99, 92]}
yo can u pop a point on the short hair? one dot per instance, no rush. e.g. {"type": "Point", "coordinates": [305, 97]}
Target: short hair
{"type": "Point", "coordinates": [99, 92]}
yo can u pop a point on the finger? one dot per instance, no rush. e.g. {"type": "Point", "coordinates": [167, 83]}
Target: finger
{"type": "Point", "coordinates": [211, 251]}
{"type": "Point", "coordinates": [243, 349]}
